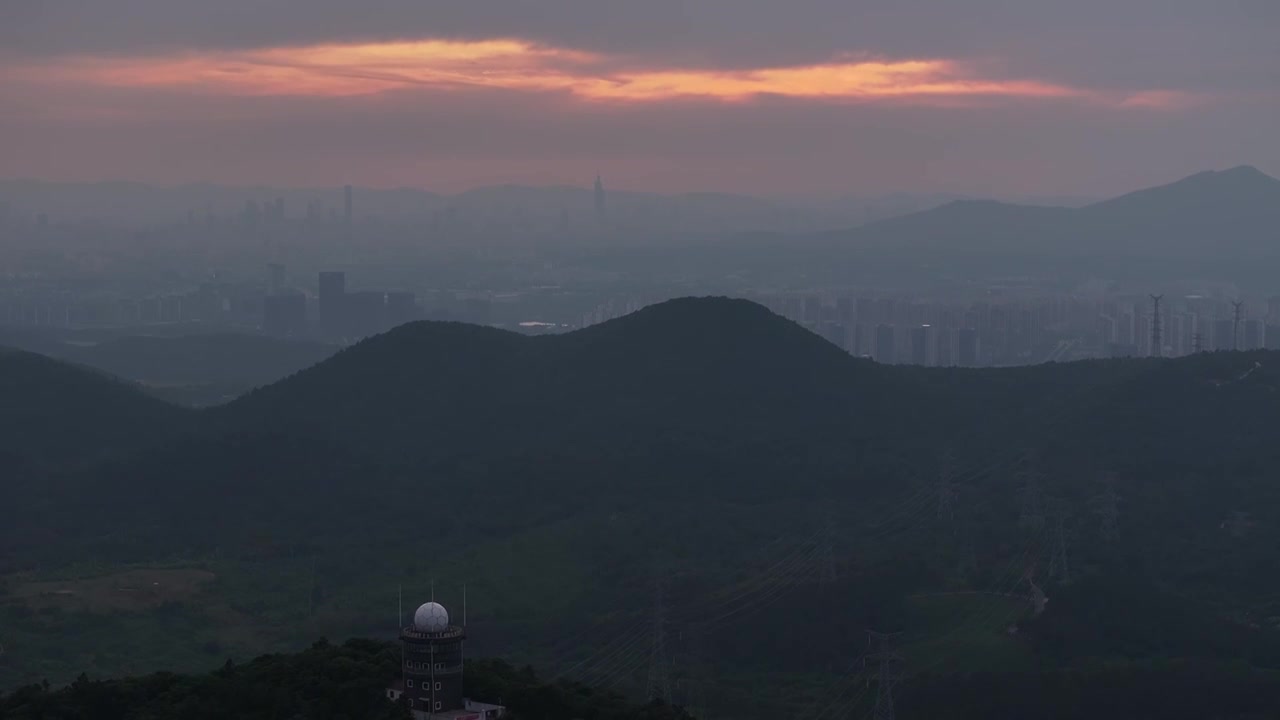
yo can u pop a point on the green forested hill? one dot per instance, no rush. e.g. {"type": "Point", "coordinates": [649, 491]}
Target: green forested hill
{"type": "Point", "coordinates": [788, 496]}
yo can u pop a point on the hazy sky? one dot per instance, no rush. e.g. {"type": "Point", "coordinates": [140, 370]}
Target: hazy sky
{"type": "Point", "coordinates": [803, 96]}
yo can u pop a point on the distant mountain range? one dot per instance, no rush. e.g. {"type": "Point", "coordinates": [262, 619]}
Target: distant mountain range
{"type": "Point", "coordinates": [545, 206]}
{"type": "Point", "coordinates": [1229, 211]}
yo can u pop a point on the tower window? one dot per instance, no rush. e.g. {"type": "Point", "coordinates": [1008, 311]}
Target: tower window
{"type": "Point", "coordinates": [438, 705]}
{"type": "Point", "coordinates": [437, 686]}
{"type": "Point", "coordinates": [410, 684]}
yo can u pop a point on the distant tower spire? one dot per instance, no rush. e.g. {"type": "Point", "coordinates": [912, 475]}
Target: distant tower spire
{"type": "Point", "coordinates": [600, 199]}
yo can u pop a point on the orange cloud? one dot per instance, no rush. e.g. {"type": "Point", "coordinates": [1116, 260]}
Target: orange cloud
{"type": "Point", "coordinates": [367, 68]}
{"type": "Point", "coordinates": [1160, 100]}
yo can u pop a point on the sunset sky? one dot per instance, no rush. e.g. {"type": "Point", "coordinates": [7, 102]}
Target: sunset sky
{"type": "Point", "coordinates": [993, 97]}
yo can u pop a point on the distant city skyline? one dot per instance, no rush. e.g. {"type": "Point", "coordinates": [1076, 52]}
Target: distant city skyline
{"type": "Point", "coordinates": [987, 98]}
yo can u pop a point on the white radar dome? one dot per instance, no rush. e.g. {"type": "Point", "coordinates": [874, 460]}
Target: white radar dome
{"type": "Point", "coordinates": [431, 617]}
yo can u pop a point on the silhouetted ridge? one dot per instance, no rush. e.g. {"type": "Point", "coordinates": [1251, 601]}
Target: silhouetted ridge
{"type": "Point", "coordinates": [50, 408]}
{"type": "Point", "coordinates": [679, 366]}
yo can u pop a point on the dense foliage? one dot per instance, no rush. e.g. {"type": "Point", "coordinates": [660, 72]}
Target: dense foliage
{"type": "Point", "coordinates": [326, 682]}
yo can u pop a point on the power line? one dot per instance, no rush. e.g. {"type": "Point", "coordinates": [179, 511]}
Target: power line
{"type": "Point", "coordinates": [1059, 569]}
{"type": "Point", "coordinates": [1108, 510]}
{"type": "Point", "coordinates": [946, 488]}
{"type": "Point", "coordinates": [826, 555]}
{"type": "Point", "coordinates": [659, 684]}
{"type": "Point", "coordinates": [1031, 515]}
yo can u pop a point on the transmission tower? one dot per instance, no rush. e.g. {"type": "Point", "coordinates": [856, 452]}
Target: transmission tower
{"type": "Point", "coordinates": [698, 677]}
{"type": "Point", "coordinates": [1157, 341]}
{"type": "Point", "coordinates": [881, 652]}
{"type": "Point", "coordinates": [1038, 598]}
{"type": "Point", "coordinates": [1108, 510]}
{"type": "Point", "coordinates": [947, 488]}
{"type": "Point", "coordinates": [659, 685]}
{"type": "Point", "coordinates": [1058, 568]}
{"type": "Point", "coordinates": [1031, 516]}
{"type": "Point", "coordinates": [1238, 315]}
{"type": "Point", "coordinates": [1238, 524]}
{"type": "Point", "coordinates": [826, 553]}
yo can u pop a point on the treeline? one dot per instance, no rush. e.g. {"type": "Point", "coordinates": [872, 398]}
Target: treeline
{"type": "Point", "coordinates": [1167, 691]}
{"type": "Point", "coordinates": [325, 682]}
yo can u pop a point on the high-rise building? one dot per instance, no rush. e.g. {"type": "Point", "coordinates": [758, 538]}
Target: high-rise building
{"type": "Point", "coordinates": [275, 278]}
{"type": "Point", "coordinates": [599, 197]}
{"type": "Point", "coordinates": [844, 310]}
{"type": "Point", "coordinates": [364, 313]}
{"type": "Point", "coordinates": [346, 205]}
{"type": "Point", "coordinates": [1224, 334]}
{"type": "Point", "coordinates": [866, 309]}
{"type": "Point", "coordinates": [1272, 339]}
{"type": "Point", "coordinates": [946, 352]}
{"type": "Point", "coordinates": [402, 307]}
{"type": "Point", "coordinates": [333, 291]}
{"type": "Point", "coordinates": [1253, 334]}
{"type": "Point", "coordinates": [923, 345]}
{"type": "Point", "coordinates": [885, 350]}
{"type": "Point", "coordinates": [812, 309]}
{"type": "Point", "coordinates": [967, 349]}
{"type": "Point", "coordinates": [284, 314]}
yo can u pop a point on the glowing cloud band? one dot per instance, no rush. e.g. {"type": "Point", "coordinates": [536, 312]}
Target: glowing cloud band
{"type": "Point", "coordinates": [335, 70]}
